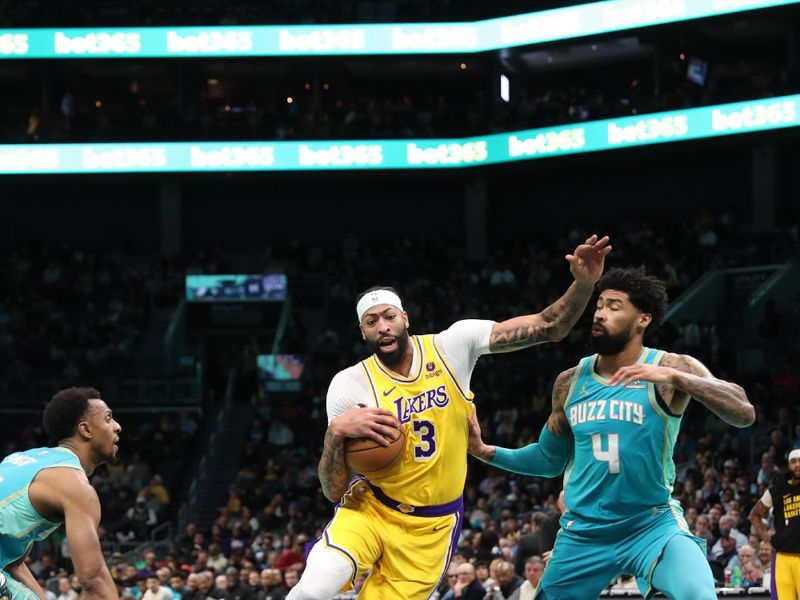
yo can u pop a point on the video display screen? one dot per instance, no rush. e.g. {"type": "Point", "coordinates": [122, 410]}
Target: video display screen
{"type": "Point", "coordinates": [280, 372]}
{"type": "Point", "coordinates": [236, 288]}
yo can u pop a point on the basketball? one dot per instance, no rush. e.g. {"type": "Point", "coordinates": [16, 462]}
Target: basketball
{"type": "Point", "coordinates": [364, 455]}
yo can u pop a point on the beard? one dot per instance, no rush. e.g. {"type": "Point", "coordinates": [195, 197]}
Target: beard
{"type": "Point", "coordinates": [609, 344]}
{"type": "Point", "coordinates": [390, 359]}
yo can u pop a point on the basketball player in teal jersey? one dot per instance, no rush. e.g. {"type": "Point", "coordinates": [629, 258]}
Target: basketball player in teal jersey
{"type": "Point", "coordinates": [614, 421]}
{"type": "Point", "coordinates": [44, 487]}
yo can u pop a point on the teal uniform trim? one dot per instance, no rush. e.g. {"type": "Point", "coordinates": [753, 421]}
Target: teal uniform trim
{"type": "Point", "coordinates": [20, 523]}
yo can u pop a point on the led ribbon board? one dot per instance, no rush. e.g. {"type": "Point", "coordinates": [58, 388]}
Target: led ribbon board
{"type": "Point", "coordinates": [576, 138]}
{"type": "Point", "coordinates": [400, 38]}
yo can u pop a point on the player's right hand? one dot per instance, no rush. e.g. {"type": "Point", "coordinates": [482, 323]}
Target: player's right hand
{"type": "Point", "coordinates": [376, 424]}
{"type": "Point", "coordinates": [586, 262]}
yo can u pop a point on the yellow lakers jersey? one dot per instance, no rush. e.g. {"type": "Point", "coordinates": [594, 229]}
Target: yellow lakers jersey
{"type": "Point", "coordinates": [432, 410]}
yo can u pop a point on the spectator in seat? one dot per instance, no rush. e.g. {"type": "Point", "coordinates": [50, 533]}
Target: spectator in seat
{"type": "Point", "coordinates": [534, 569]}
{"type": "Point", "coordinates": [156, 591]}
{"type": "Point", "coordinates": [467, 586]}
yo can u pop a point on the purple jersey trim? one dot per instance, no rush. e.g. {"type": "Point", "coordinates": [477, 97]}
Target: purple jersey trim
{"type": "Point", "coordinates": [447, 367]}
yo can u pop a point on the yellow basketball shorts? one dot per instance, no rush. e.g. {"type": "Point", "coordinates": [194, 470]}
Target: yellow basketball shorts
{"type": "Point", "coordinates": [407, 554]}
{"type": "Point", "coordinates": [785, 576]}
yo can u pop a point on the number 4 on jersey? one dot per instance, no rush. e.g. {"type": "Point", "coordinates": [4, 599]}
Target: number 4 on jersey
{"type": "Point", "coordinates": [611, 456]}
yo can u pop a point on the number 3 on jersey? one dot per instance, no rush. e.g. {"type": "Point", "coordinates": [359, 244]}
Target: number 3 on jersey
{"type": "Point", "coordinates": [427, 440]}
{"type": "Point", "coordinates": [611, 456]}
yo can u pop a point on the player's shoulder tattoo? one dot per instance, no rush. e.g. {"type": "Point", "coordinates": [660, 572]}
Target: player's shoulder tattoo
{"type": "Point", "coordinates": [557, 423]}
{"type": "Point", "coordinates": [675, 361]}
{"type": "Point", "coordinates": [684, 363]}
{"type": "Point", "coordinates": [561, 387]}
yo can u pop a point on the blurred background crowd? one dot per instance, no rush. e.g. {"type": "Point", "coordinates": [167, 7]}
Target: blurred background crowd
{"type": "Point", "coordinates": [215, 491]}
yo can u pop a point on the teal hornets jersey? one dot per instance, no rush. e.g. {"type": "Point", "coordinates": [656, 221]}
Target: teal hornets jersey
{"type": "Point", "coordinates": [624, 438]}
{"type": "Point", "coordinates": [20, 524]}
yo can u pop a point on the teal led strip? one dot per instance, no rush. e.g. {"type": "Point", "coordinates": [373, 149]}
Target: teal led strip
{"type": "Point", "coordinates": [591, 136]}
{"type": "Point", "coordinates": [399, 38]}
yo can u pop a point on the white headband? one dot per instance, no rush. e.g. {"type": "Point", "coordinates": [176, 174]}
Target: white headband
{"type": "Point", "coordinates": [374, 298]}
{"type": "Point", "coordinates": [794, 453]}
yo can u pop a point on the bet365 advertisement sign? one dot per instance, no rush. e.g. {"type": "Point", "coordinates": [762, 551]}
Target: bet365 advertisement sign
{"type": "Point", "coordinates": [592, 136]}
{"type": "Point", "coordinates": [400, 38]}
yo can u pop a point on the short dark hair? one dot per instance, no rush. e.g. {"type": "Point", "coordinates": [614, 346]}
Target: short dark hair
{"type": "Point", "coordinates": [646, 292]}
{"type": "Point", "coordinates": [375, 289]}
{"type": "Point", "coordinates": [65, 410]}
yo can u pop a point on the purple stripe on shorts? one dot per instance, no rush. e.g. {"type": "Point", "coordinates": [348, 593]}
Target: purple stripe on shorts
{"type": "Point", "coordinates": [436, 510]}
{"type": "Point", "coordinates": [773, 589]}
{"type": "Point", "coordinates": [452, 545]}
{"type": "Point", "coordinates": [456, 531]}
{"type": "Point", "coordinates": [346, 553]}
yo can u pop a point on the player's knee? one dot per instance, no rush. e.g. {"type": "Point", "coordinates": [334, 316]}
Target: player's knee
{"type": "Point", "coordinates": [313, 588]}
{"type": "Point", "coordinates": [326, 572]}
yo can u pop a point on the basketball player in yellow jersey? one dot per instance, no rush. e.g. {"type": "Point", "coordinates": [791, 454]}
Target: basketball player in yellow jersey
{"type": "Point", "coordinates": [403, 525]}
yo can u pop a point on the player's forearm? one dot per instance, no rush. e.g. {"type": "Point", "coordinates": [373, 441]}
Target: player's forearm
{"type": "Point", "coordinates": [757, 522]}
{"type": "Point", "coordinates": [333, 471]}
{"type": "Point", "coordinates": [546, 458]}
{"type": "Point", "coordinates": [551, 325]}
{"type": "Point", "coordinates": [566, 311]}
{"type": "Point", "coordinates": [758, 527]}
{"type": "Point", "coordinates": [725, 399]}
{"type": "Point", "coordinates": [23, 574]}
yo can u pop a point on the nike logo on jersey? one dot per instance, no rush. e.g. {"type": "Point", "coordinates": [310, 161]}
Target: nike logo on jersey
{"type": "Point", "coordinates": [439, 527]}
{"type": "Point", "coordinates": [387, 392]}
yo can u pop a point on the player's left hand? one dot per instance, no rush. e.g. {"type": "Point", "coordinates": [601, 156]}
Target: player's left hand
{"type": "Point", "coordinates": [587, 261]}
{"type": "Point", "coordinates": [642, 372]}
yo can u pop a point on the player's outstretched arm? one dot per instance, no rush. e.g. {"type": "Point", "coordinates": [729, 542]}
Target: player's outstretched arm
{"type": "Point", "coordinates": [545, 458]}
{"type": "Point", "coordinates": [377, 424]}
{"type": "Point", "coordinates": [680, 377]}
{"type": "Point", "coordinates": [555, 322]}
{"type": "Point", "coordinates": [82, 518]}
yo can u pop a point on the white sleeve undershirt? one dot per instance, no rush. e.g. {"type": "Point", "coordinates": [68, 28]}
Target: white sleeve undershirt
{"type": "Point", "coordinates": [461, 344]}
{"type": "Point", "coordinates": [766, 499]}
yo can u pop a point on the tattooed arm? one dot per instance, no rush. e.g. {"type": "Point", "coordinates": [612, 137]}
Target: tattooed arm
{"type": "Point", "coordinates": [333, 471]}
{"type": "Point", "coordinates": [545, 458]}
{"type": "Point", "coordinates": [680, 377]}
{"type": "Point", "coordinates": [555, 321]}
{"type": "Point", "coordinates": [375, 423]}
{"type": "Point", "coordinates": [551, 325]}
{"type": "Point", "coordinates": [757, 515]}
